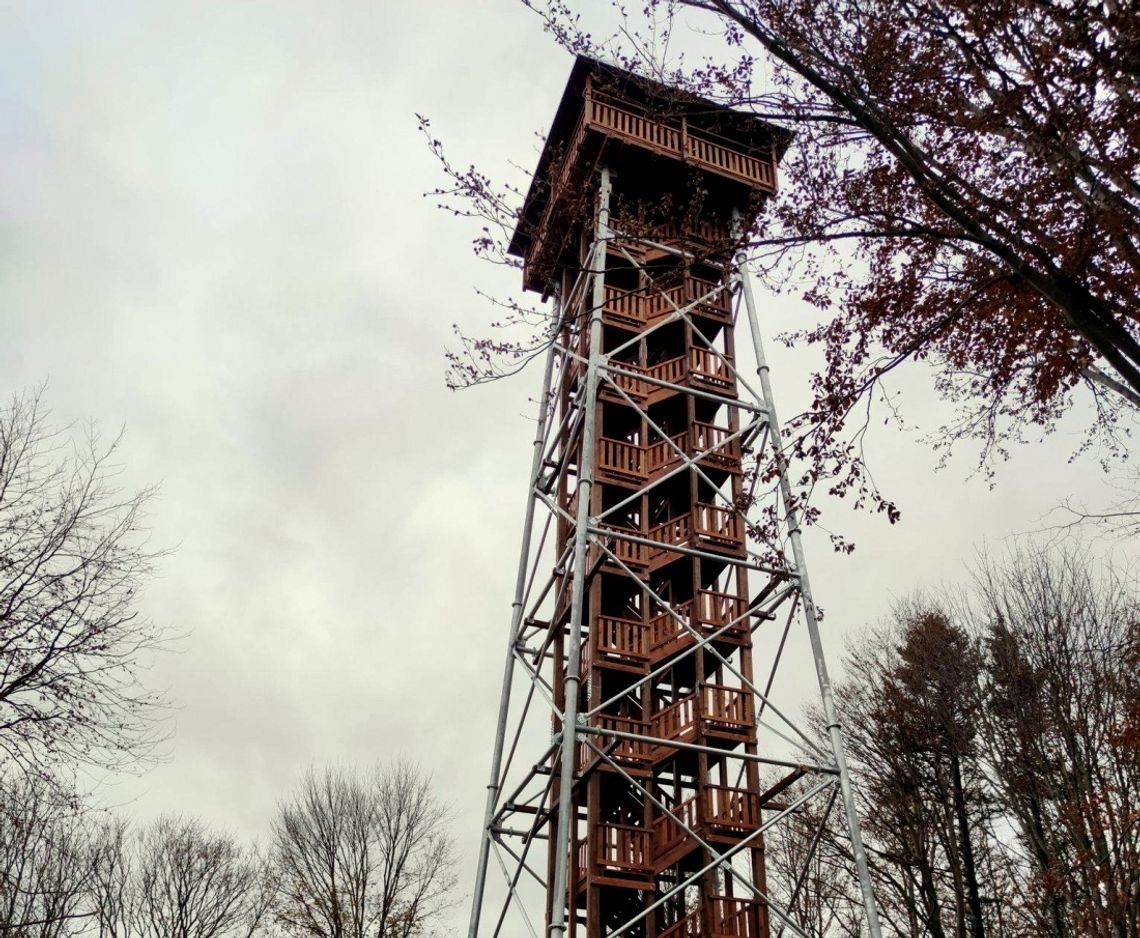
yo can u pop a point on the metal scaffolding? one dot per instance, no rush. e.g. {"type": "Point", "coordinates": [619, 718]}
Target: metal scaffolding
{"type": "Point", "coordinates": [612, 724]}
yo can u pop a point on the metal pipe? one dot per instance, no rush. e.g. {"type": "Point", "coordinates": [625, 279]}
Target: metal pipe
{"type": "Point", "coordinates": [827, 694]}
{"type": "Point", "coordinates": [680, 549]}
{"type": "Point", "coordinates": [494, 786]}
{"type": "Point", "coordinates": [712, 750]}
{"type": "Point", "coordinates": [687, 462]}
{"type": "Point", "coordinates": [707, 644]}
{"type": "Point", "coordinates": [682, 389]}
{"type": "Point", "coordinates": [581, 540]}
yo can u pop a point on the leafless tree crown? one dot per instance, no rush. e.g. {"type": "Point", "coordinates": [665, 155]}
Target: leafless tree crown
{"type": "Point", "coordinates": [73, 557]}
{"type": "Point", "coordinates": [363, 855]}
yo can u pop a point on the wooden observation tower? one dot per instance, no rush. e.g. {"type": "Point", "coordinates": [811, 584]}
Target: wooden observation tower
{"type": "Point", "coordinates": [642, 594]}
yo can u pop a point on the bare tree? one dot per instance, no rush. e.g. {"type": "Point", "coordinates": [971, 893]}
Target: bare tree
{"type": "Point", "coordinates": [73, 557]}
{"type": "Point", "coordinates": [44, 861]}
{"type": "Point", "coordinates": [1061, 693]}
{"type": "Point", "coordinates": [110, 895]}
{"type": "Point", "coordinates": [176, 879]}
{"type": "Point", "coordinates": [911, 700]}
{"type": "Point", "coordinates": [363, 855]}
{"type": "Point", "coordinates": [993, 736]}
{"type": "Point", "coordinates": [807, 868]}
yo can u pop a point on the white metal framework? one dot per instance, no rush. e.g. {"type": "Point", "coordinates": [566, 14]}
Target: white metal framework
{"type": "Point", "coordinates": [548, 743]}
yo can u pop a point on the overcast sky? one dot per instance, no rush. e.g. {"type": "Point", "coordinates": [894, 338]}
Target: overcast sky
{"type": "Point", "coordinates": [213, 233]}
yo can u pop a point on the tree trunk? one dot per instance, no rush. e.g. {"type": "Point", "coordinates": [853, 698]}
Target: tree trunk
{"type": "Point", "coordinates": [970, 872]}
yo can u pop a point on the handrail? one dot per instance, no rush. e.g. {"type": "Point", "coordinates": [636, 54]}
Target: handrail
{"type": "Point", "coordinates": [736, 808]}
{"type": "Point", "coordinates": [628, 750]}
{"type": "Point", "coordinates": [704, 146]}
{"type": "Point", "coordinates": [674, 532]}
{"type": "Point", "coordinates": [718, 523]}
{"type": "Point", "coordinates": [735, 917]}
{"type": "Point", "coordinates": [659, 455]}
{"type": "Point", "coordinates": [665, 627]}
{"type": "Point", "coordinates": [627, 550]}
{"type": "Point", "coordinates": [667, 833]}
{"type": "Point", "coordinates": [731, 705]}
{"type": "Point", "coordinates": [675, 719]}
{"type": "Point", "coordinates": [724, 447]}
{"type": "Point", "coordinates": [617, 635]}
{"type": "Point", "coordinates": [710, 365]}
{"type": "Point", "coordinates": [621, 456]}
{"type": "Point", "coordinates": [688, 927]}
{"type": "Point", "coordinates": [640, 462]}
{"type": "Point", "coordinates": [623, 846]}
{"type": "Point", "coordinates": [718, 609]}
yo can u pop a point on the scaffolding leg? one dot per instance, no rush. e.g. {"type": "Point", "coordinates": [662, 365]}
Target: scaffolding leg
{"type": "Point", "coordinates": [494, 786]}
{"type": "Point", "coordinates": [827, 695]}
{"type": "Point", "coordinates": [577, 599]}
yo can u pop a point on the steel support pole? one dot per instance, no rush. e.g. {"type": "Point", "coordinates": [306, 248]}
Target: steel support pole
{"type": "Point", "coordinates": [558, 898]}
{"type": "Point", "coordinates": [826, 693]}
{"type": "Point", "coordinates": [494, 786]}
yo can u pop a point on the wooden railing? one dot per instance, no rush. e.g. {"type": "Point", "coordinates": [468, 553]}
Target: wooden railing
{"type": "Point", "coordinates": [735, 810]}
{"type": "Point", "coordinates": [665, 627]}
{"type": "Point", "coordinates": [644, 307]}
{"type": "Point", "coordinates": [711, 232]}
{"type": "Point", "coordinates": [623, 847]}
{"type": "Point", "coordinates": [668, 834]}
{"type": "Point", "coordinates": [697, 145]}
{"type": "Point", "coordinates": [718, 305]}
{"type": "Point", "coordinates": [725, 448]}
{"type": "Point", "coordinates": [633, 385]}
{"type": "Point", "coordinates": [711, 523]}
{"type": "Point", "coordinates": [730, 708]}
{"type": "Point", "coordinates": [672, 370]}
{"type": "Point", "coordinates": [559, 184]}
{"type": "Point", "coordinates": [733, 918]}
{"type": "Point", "coordinates": [720, 524]}
{"type": "Point", "coordinates": [630, 552]}
{"type": "Point", "coordinates": [729, 161]}
{"type": "Point", "coordinates": [631, 751]}
{"type": "Point", "coordinates": [731, 809]}
{"type": "Point", "coordinates": [701, 366]}
{"type": "Point", "coordinates": [640, 463]}
{"type": "Point", "coordinates": [626, 305]}
{"type": "Point", "coordinates": [660, 456]}
{"type": "Point", "coordinates": [676, 720]}
{"type": "Point", "coordinates": [710, 367]}
{"type": "Point", "coordinates": [715, 610]}
{"type": "Point", "coordinates": [622, 458]}
{"type": "Point", "coordinates": [634, 126]}
{"type": "Point", "coordinates": [691, 926]}
{"type": "Point", "coordinates": [621, 638]}
{"type": "Point", "coordinates": [674, 532]}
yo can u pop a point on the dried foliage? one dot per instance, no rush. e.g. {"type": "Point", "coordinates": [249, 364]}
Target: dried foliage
{"type": "Point", "coordinates": [962, 190]}
{"type": "Point", "coordinates": [73, 557]}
